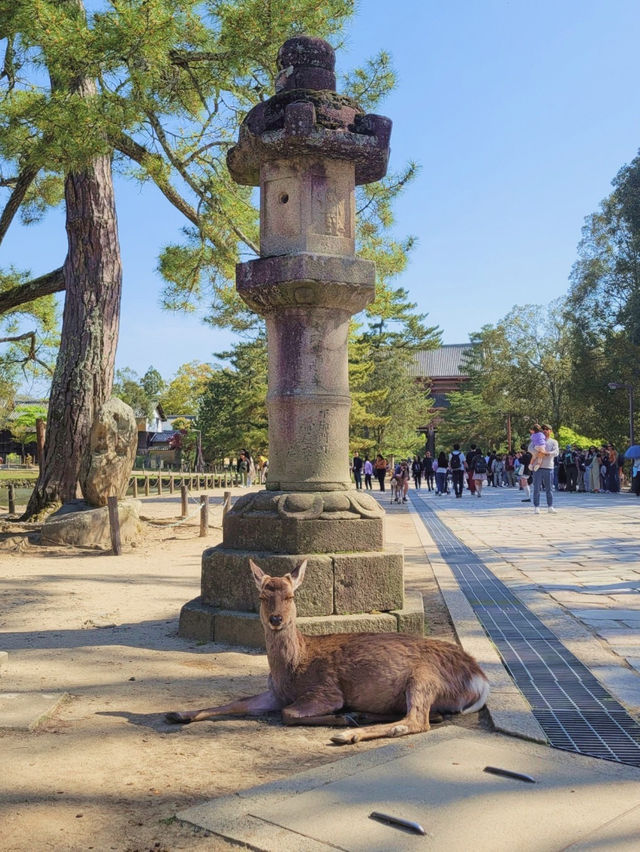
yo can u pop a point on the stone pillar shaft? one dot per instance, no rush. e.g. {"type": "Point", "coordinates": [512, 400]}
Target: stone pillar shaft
{"type": "Point", "coordinates": [308, 400]}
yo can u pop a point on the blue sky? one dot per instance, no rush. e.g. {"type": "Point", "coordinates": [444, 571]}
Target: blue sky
{"type": "Point", "coordinates": [519, 114]}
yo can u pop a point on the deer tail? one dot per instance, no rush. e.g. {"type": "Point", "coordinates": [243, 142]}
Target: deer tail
{"type": "Point", "coordinates": [479, 686]}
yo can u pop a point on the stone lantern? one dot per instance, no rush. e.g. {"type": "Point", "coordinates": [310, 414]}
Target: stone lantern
{"type": "Point", "coordinates": [307, 148]}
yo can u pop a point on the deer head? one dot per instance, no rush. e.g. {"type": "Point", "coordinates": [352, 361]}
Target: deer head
{"type": "Point", "coordinates": [277, 606]}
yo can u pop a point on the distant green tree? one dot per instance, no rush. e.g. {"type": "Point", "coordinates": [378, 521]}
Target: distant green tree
{"type": "Point", "coordinates": [153, 384]}
{"type": "Point", "coordinates": [130, 388]}
{"type": "Point", "coordinates": [522, 367]}
{"type": "Point", "coordinates": [232, 412]}
{"type": "Point", "coordinates": [183, 393]}
{"type": "Point", "coordinates": [603, 308]}
{"type": "Point", "coordinates": [388, 405]}
{"type": "Point", "coordinates": [470, 419]}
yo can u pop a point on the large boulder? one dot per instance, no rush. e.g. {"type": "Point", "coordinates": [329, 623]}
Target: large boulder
{"type": "Point", "coordinates": [111, 453]}
{"type": "Point", "coordinates": [81, 525]}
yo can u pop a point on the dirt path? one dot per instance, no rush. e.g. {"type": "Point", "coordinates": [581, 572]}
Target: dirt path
{"type": "Point", "coordinates": [104, 771]}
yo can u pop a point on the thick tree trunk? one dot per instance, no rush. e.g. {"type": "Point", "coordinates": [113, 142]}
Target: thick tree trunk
{"type": "Point", "coordinates": [83, 376]}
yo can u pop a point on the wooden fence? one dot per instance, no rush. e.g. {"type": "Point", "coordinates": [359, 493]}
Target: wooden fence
{"type": "Point", "coordinates": [160, 482]}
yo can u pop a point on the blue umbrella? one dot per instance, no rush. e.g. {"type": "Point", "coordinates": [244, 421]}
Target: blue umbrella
{"type": "Point", "coordinates": [633, 452]}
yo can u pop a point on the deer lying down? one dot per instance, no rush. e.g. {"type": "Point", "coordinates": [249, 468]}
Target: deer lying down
{"type": "Point", "coordinates": [383, 675]}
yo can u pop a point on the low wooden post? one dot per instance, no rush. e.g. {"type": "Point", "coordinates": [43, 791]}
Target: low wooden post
{"type": "Point", "coordinates": [12, 499]}
{"type": "Point", "coordinates": [226, 504]}
{"type": "Point", "coordinates": [135, 486]}
{"type": "Point", "coordinates": [146, 485]}
{"type": "Point", "coordinates": [172, 484]}
{"type": "Point", "coordinates": [114, 525]}
{"type": "Point", "coordinates": [160, 485]}
{"type": "Point", "coordinates": [183, 497]}
{"type": "Point", "coordinates": [204, 515]}
{"type": "Point", "coordinates": [40, 441]}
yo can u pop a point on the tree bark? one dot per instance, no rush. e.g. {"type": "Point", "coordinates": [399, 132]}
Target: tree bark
{"type": "Point", "coordinates": [83, 376]}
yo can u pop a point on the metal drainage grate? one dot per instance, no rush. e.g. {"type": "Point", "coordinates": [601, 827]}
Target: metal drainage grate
{"type": "Point", "coordinates": [574, 710]}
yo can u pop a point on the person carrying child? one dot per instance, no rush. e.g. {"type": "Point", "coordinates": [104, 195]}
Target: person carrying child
{"type": "Point", "coordinates": [536, 447]}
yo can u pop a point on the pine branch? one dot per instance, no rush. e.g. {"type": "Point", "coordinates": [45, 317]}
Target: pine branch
{"type": "Point", "coordinates": [20, 189]}
{"type": "Point", "coordinates": [31, 355]}
{"type": "Point", "coordinates": [45, 285]}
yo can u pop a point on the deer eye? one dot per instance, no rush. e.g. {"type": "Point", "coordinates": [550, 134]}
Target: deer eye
{"type": "Point", "coordinates": [289, 598]}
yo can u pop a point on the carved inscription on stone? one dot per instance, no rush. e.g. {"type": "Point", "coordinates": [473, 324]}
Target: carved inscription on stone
{"type": "Point", "coordinates": [328, 208]}
{"type": "Point", "coordinates": [312, 436]}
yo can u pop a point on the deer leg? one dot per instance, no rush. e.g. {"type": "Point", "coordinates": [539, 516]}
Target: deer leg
{"type": "Point", "coordinates": [419, 694]}
{"type": "Point", "coordinates": [340, 720]}
{"type": "Point", "coordinates": [255, 705]}
{"type": "Point", "coordinates": [315, 708]}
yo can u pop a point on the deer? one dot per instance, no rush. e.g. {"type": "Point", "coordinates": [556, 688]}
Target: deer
{"type": "Point", "coordinates": [395, 680]}
{"type": "Point", "coordinates": [396, 488]}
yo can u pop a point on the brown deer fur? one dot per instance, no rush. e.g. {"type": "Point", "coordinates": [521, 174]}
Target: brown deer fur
{"type": "Point", "coordinates": [379, 674]}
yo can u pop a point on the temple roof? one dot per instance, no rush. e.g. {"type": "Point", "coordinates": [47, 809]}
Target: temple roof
{"type": "Point", "coordinates": [438, 363]}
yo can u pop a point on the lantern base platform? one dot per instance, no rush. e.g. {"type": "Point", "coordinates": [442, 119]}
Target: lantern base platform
{"type": "Point", "coordinates": [205, 623]}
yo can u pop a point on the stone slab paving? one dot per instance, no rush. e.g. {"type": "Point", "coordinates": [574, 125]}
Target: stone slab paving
{"type": "Point", "coordinates": [438, 780]}
{"type": "Point", "coordinates": [23, 711]}
{"type": "Point", "coordinates": [578, 568]}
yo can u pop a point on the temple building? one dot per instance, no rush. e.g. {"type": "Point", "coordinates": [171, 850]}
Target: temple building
{"type": "Point", "coordinates": [441, 372]}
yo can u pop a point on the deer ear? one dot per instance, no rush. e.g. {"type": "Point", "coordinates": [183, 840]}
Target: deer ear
{"type": "Point", "coordinates": [297, 575]}
{"type": "Point", "coordinates": [258, 574]}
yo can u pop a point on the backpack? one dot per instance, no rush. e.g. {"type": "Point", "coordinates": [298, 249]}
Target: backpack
{"type": "Point", "coordinates": [480, 465]}
{"type": "Point", "coordinates": [455, 463]}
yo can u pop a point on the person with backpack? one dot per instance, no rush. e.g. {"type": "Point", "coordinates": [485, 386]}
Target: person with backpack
{"type": "Point", "coordinates": [570, 468]}
{"type": "Point", "coordinates": [457, 465]}
{"type": "Point", "coordinates": [479, 467]}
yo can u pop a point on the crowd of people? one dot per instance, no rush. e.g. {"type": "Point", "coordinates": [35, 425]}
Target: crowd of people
{"type": "Point", "coordinates": [539, 462]}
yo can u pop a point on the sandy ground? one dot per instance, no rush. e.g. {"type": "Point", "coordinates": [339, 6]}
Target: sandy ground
{"type": "Point", "coordinates": [104, 771]}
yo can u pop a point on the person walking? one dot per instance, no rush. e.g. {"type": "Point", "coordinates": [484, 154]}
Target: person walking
{"type": "Point", "coordinates": [457, 465]}
{"type": "Point", "coordinates": [479, 467]}
{"type": "Point", "coordinates": [403, 478]}
{"type": "Point", "coordinates": [380, 469]}
{"type": "Point", "coordinates": [441, 474]}
{"type": "Point", "coordinates": [593, 471]}
{"type": "Point", "coordinates": [470, 480]}
{"type": "Point", "coordinates": [427, 470]}
{"type": "Point", "coordinates": [509, 470]}
{"type": "Point", "coordinates": [635, 477]}
{"type": "Point", "coordinates": [524, 473]}
{"type": "Point", "coordinates": [542, 477]}
{"type": "Point", "coordinates": [570, 468]}
{"type": "Point", "coordinates": [497, 468]}
{"type": "Point", "coordinates": [368, 472]}
{"type": "Point", "coordinates": [613, 476]}
{"type": "Point", "coordinates": [356, 467]}
{"type": "Point", "coordinates": [416, 472]}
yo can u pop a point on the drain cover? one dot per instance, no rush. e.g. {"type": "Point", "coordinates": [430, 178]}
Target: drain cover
{"type": "Point", "coordinates": [574, 710]}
